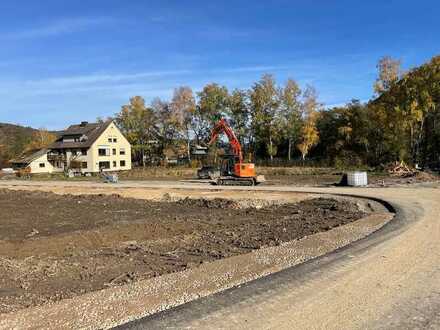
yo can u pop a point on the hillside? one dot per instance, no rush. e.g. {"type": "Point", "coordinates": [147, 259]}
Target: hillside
{"type": "Point", "coordinates": [13, 138]}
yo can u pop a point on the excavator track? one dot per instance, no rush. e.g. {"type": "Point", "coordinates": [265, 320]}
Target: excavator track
{"type": "Point", "coordinates": [232, 181]}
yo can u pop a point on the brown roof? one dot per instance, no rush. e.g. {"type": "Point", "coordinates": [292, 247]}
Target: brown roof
{"type": "Point", "coordinates": [91, 132]}
{"type": "Point", "coordinates": [29, 156]}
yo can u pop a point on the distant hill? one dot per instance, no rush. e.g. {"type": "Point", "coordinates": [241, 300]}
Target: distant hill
{"type": "Point", "coordinates": [13, 139]}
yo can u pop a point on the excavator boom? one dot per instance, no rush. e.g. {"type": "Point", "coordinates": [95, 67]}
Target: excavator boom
{"type": "Point", "coordinates": [223, 127]}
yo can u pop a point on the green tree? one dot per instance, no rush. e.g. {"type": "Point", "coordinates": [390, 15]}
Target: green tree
{"type": "Point", "coordinates": [213, 102]}
{"type": "Point", "coordinates": [166, 125]}
{"type": "Point", "coordinates": [291, 114]}
{"type": "Point", "coordinates": [347, 134]}
{"type": "Point", "coordinates": [183, 107]}
{"type": "Point", "coordinates": [409, 108]}
{"type": "Point", "coordinates": [239, 113]}
{"type": "Point", "coordinates": [137, 122]}
{"type": "Point", "coordinates": [212, 105]}
{"type": "Point", "coordinates": [265, 108]}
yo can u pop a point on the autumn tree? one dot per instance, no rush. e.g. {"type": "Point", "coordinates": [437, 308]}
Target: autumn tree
{"type": "Point", "coordinates": [291, 113]}
{"type": "Point", "coordinates": [309, 136]}
{"type": "Point", "coordinates": [183, 107]}
{"type": "Point", "coordinates": [265, 106]}
{"type": "Point", "coordinates": [137, 122]}
{"type": "Point", "coordinates": [410, 109]}
{"type": "Point", "coordinates": [389, 72]}
{"type": "Point", "coordinates": [348, 135]}
{"type": "Point", "coordinates": [212, 105]}
{"type": "Point", "coordinates": [402, 122]}
{"type": "Point", "coordinates": [213, 101]}
{"type": "Point", "coordinates": [40, 139]}
{"type": "Point", "coordinates": [166, 124]}
{"type": "Point", "coordinates": [239, 113]}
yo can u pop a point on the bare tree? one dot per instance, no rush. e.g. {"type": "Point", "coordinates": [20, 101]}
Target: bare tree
{"type": "Point", "coordinates": [389, 71]}
{"type": "Point", "coordinates": [41, 139]}
{"type": "Point", "coordinates": [183, 106]}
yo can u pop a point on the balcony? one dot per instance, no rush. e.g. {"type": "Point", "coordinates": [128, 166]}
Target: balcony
{"type": "Point", "coordinates": [51, 157]}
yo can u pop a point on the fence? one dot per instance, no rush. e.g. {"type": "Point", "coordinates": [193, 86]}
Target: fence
{"type": "Point", "coordinates": [280, 162]}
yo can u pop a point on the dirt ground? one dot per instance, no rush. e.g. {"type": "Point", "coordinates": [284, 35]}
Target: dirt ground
{"type": "Point", "coordinates": [59, 246]}
{"type": "Point", "coordinates": [374, 180]}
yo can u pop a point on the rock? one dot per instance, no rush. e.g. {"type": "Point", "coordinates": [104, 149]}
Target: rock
{"type": "Point", "coordinates": [33, 233]}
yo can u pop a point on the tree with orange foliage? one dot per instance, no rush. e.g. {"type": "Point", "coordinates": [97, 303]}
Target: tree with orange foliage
{"type": "Point", "coordinates": [309, 132]}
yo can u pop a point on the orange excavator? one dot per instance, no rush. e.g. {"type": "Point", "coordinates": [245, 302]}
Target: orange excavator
{"type": "Point", "coordinates": [233, 171]}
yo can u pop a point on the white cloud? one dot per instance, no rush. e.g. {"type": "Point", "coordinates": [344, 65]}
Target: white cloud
{"type": "Point", "coordinates": [54, 28]}
{"type": "Point", "coordinates": [256, 69]}
{"type": "Point", "coordinates": [100, 78]}
{"type": "Point", "coordinates": [113, 85]}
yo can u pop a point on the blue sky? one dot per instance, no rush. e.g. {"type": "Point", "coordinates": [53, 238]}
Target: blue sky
{"type": "Point", "coordinates": [62, 62]}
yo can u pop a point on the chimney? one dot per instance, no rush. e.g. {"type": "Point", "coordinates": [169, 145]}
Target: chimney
{"type": "Point", "coordinates": [84, 123]}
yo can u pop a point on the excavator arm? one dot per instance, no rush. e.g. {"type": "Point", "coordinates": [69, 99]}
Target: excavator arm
{"type": "Point", "coordinates": [223, 127]}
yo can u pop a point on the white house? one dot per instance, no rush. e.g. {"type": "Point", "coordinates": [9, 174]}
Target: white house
{"type": "Point", "coordinates": [84, 148]}
{"type": "Point", "coordinates": [35, 160]}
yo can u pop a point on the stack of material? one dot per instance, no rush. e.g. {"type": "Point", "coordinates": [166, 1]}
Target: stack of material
{"type": "Point", "coordinates": [401, 169]}
{"type": "Point", "coordinates": [354, 179]}
{"type": "Point", "coordinates": [110, 178]}
{"type": "Point", "coordinates": [357, 179]}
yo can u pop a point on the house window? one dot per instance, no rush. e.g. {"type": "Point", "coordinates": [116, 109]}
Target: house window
{"type": "Point", "coordinates": [42, 165]}
{"type": "Point", "coordinates": [84, 165]}
{"type": "Point", "coordinates": [122, 151]}
{"type": "Point", "coordinates": [114, 152]}
{"type": "Point", "coordinates": [103, 152]}
{"type": "Point", "coordinates": [114, 164]}
{"type": "Point", "coordinates": [104, 165]}
{"type": "Point", "coordinates": [109, 140]}
{"type": "Point", "coordinates": [84, 152]}
{"type": "Point", "coordinates": [122, 163]}
{"type": "Point", "coordinates": [115, 140]}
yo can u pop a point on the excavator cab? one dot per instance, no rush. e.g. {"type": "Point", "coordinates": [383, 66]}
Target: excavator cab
{"type": "Point", "coordinates": [227, 164]}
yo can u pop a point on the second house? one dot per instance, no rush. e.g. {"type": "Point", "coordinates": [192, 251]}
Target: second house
{"type": "Point", "coordinates": [90, 148]}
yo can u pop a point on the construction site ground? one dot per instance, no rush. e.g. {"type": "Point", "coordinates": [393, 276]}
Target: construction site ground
{"type": "Point", "coordinates": [373, 284]}
{"type": "Point", "coordinates": [56, 246]}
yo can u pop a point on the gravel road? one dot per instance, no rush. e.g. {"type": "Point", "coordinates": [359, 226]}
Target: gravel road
{"type": "Point", "coordinates": [388, 281]}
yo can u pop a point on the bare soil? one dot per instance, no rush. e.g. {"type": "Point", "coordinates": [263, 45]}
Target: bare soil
{"type": "Point", "coordinates": [59, 246]}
